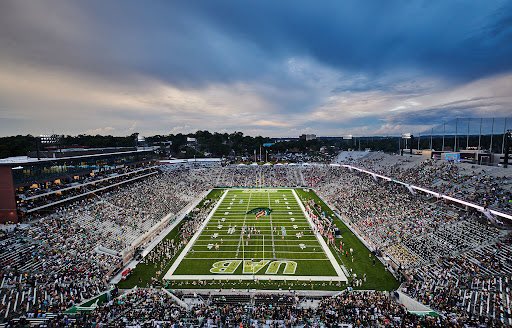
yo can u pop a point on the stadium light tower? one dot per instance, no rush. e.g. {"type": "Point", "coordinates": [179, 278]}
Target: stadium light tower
{"type": "Point", "coordinates": [47, 139]}
{"type": "Point", "coordinates": [50, 138]}
{"type": "Point", "coordinates": [348, 137]}
{"type": "Point", "coordinates": [406, 137]}
{"type": "Point", "coordinates": [507, 151]}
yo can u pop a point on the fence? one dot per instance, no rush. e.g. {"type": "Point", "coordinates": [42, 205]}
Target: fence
{"type": "Point", "coordinates": [466, 134]}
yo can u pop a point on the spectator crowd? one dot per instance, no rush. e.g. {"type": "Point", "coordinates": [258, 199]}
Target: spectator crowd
{"type": "Point", "coordinates": [452, 259]}
{"type": "Point", "coordinates": [55, 261]}
{"type": "Point", "coordinates": [155, 308]}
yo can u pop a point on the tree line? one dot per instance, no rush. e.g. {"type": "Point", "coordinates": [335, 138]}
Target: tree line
{"type": "Point", "coordinates": [237, 144]}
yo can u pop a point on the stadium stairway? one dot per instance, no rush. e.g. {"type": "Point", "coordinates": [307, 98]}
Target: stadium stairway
{"type": "Point", "coordinates": [309, 302]}
{"type": "Point", "coordinates": [231, 299]}
{"type": "Point", "coordinates": [275, 300]}
{"type": "Point", "coordinates": [193, 300]}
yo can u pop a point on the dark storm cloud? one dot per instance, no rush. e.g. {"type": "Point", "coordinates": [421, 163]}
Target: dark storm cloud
{"type": "Point", "coordinates": [118, 39]}
{"type": "Point", "coordinates": [459, 39]}
{"type": "Point", "coordinates": [197, 41]}
{"type": "Point", "coordinates": [303, 65]}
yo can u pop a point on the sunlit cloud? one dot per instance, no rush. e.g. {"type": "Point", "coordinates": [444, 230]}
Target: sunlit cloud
{"type": "Point", "coordinates": [177, 68]}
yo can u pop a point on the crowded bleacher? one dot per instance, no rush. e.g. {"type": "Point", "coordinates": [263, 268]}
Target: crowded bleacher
{"type": "Point", "coordinates": [153, 307]}
{"type": "Point", "coordinates": [450, 258]}
{"type": "Point", "coordinates": [56, 261]}
{"type": "Point", "coordinates": [486, 186]}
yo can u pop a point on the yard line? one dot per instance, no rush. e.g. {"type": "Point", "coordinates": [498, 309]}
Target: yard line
{"type": "Point", "coordinates": [263, 245]}
{"type": "Point", "coordinates": [221, 251]}
{"type": "Point", "coordinates": [242, 228]}
{"type": "Point", "coordinates": [283, 247]}
{"type": "Point", "coordinates": [271, 228]}
{"type": "Point", "coordinates": [207, 237]}
{"type": "Point", "coordinates": [291, 236]}
{"type": "Point", "coordinates": [281, 243]}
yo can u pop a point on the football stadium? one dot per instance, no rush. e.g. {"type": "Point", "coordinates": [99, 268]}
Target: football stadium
{"type": "Point", "coordinates": [255, 164]}
{"type": "Point", "coordinates": [187, 237]}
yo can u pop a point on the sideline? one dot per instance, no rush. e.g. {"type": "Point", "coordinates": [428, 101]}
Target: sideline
{"type": "Point", "coordinates": [327, 251]}
{"type": "Point", "coordinates": [178, 219]}
{"type": "Point", "coordinates": [192, 241]}
{"type": "Point", "coordinates": [134, 262]}
{"type": "Point", "coordinates": [361, 239]}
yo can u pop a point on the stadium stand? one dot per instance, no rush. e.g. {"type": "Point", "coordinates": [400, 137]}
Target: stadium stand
{"type": "Point", "coordinates": [487, 186]}
{"type": "Point", "coordinates": [155, 308]}
{"type": "Point", "coordinates": [452, 259]}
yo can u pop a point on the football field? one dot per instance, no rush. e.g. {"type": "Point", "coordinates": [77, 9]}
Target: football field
{"type": "Point", "coordinates": [257, 234]}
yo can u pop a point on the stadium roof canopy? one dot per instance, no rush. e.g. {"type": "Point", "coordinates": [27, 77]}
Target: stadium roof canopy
{"type": "Point", "coordinates": [18, 160]}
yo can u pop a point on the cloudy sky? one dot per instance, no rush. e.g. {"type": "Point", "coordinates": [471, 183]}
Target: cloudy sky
{"type": "Point", "coordinates": [276, 68]}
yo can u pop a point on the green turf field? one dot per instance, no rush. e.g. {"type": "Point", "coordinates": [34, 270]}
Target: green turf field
{"type": "Point", "coordinates": [235, 242]}
{"type": "Point", "coordinates": [151, 274]}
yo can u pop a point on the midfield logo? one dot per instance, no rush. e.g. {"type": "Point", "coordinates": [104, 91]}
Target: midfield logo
{"type": "Point", "coordinates": [260, 211]}
{"type": "Point", "coordinates": [250, 267]}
